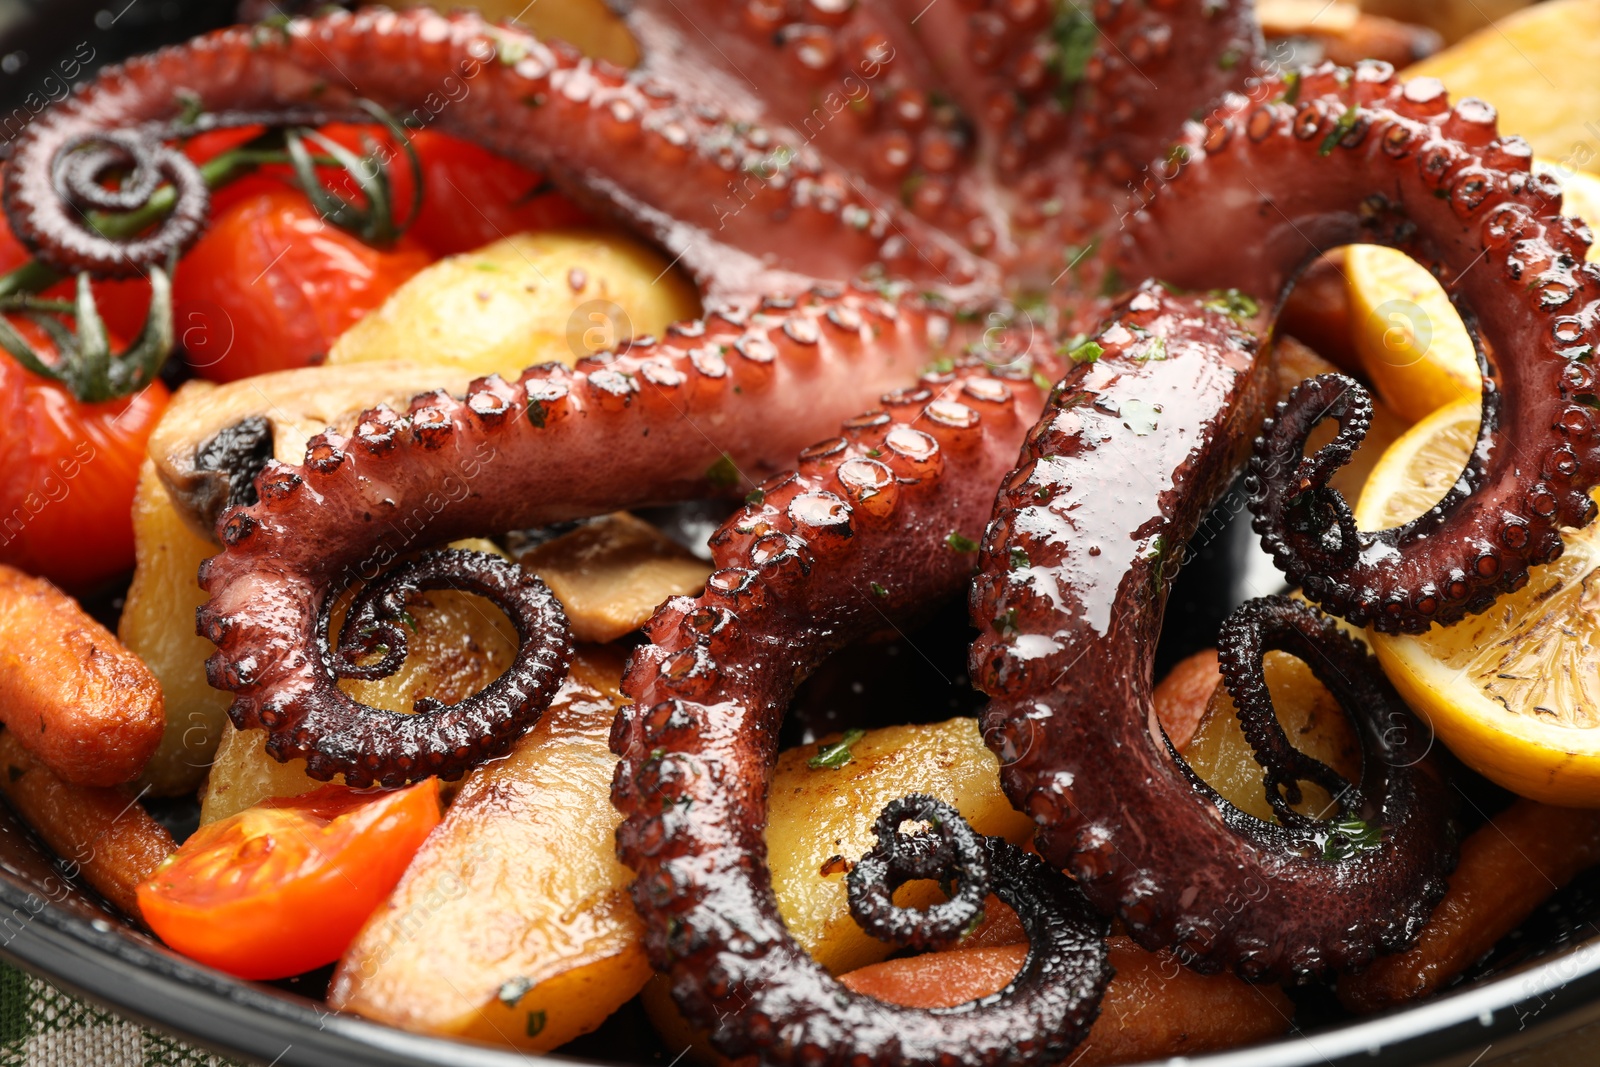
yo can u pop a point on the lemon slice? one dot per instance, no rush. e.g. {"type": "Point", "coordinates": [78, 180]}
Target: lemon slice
{"type": "Point", "coordinates": [1410, 339]}
{"type": "Point", "coordinates": [1515, 691]}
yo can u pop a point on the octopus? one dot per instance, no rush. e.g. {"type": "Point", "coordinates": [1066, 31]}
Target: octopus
{"type": "Point", "coordinates": [1025, 275]}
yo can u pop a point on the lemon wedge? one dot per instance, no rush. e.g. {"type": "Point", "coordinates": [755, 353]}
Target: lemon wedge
{"type": "Point", "coordinates": [1412, 343]}
{"type": "Point", "coordinates": [1514, 692]}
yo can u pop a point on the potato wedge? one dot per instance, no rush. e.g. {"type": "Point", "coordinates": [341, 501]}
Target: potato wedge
{"type": "Point", "coordinates": [552, 296]}
{"type": "Point", "coordinates": [461, 643]}
{"type": "Point", "coordinates": [102, 835]}
{"type": "Point", "coordinates": [513, 924]}
{"type": "Point", "coordinates": [69, 691]}
{"type": "Point", "coordinates": [611, 574]}
{"type": "Point", "coordinates": [157, 625]}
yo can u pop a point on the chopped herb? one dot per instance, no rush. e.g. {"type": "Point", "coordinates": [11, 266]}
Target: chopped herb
{"type": "Point", "coordinates": [536, 1021]}
{"type": "Point", "coordinates": [874, 453]}
{"type": "Point", "coordinates": [878, 590]}
{"type": "Point", "coordinates": [832, 757]}
{"type": "Point", "coordinates": [755, 498]}
{"type": "Point", "coordinates": [909, 187]}
{"type": "Point", "coordinates": [1233, 302]}
{"type": "Point", "coordinates": [1291, 87]}
{"type": "Point", "coordinates": [1342, 127]}
{"type": "Point", "coordinates": [1155, 350]}
{"type": "Point", "coordinates": [1178, 155]}
{"type": "Point", "coordinates": [409, 619]}
{"type": "Point", "coordinates": [961, 543]}
{"type": "Point", "coordinates": [1044, 384]}
{"type": "Point", "coordinates": [1088, 352]}
{"type": "Point", "coordinates": [1348, 838]}
{"type": "Point", "coordinates": [972, 927]}
{"type": "Point", "coordinates": [1007, 623]}
{"type": "Point", "coordinates": [1228, 60]}
{"type": "Point", "coordinates": [1019, 559]}
{"type": "Point", "coordinates": [942, 366]}
{"type": "Point", "coordinates": [723, 474]}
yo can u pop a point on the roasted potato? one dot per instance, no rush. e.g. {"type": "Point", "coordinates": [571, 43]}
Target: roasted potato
{"type": "Point", "coordinates": [552, 296]}
{"type": "Point", "coordinates": [157, 625]}
{"type": "Point", "coordinates": [817, 816]}
{"type": "Point", "coordinates": [513, 924]}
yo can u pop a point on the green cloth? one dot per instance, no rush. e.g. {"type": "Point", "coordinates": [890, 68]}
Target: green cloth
{"type": "Point", "coordinates": [40, 1026]}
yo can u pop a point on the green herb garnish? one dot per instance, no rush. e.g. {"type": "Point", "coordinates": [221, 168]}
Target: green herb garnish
{"type": "Point", "coordinates": [832, 757]}
{"type": "Point", "coordinates": [961, 543]}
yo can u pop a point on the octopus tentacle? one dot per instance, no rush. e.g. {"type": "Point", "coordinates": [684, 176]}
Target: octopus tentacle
{"type": "Point", "coordinates": [857, 535]}
{"type": "Point", "coordinates": [663, 421]}
{"type": "Point", "coordinates": [1087, 535]}
{"type": "Point", "coordinates": [950, 844]}
{"type": "Point", "coordinates": [1396, 164]}
{"type": "Point", "coordinates": [608, 134]}
{"type": "Point", "coordinates": [1341, 663]}
{"type": "Point", "coordinates": [337, 734]}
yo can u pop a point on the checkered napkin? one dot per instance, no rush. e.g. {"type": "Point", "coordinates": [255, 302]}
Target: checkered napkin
{"type": "Point", "coordinates": [40, 1026]}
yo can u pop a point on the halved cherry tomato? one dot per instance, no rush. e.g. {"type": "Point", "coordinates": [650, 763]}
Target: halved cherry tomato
{"type": "Point", "coordinates": [284, 887]}
{"type": "Point", "coordinates": [271, 285]}
{"type": "Point", "coordinates": [68, 471]}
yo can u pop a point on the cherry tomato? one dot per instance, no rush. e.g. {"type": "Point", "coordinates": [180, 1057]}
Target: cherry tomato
{"type": "Point", "coordinates": [284, 887]}
{"type": "Point", "coordinates": [472, 197]}
{"type": "Point", "coordinates": [68, 471]}
{"type": "Point", "coordinates": [271, 285]}
{"type": "Point", "coordinates": [122, 303]}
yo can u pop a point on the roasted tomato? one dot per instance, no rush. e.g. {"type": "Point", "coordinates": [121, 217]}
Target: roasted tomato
{"type": "Point", "coordinates": [67, 472]}
{"type": "Point", "coordinates": [284, 887]}
{"type": "Point", "coordinates": [271, 285]}
{"type": "Point", "coordinates": [472, 197]}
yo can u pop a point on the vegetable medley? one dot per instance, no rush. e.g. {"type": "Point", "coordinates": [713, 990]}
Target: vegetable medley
{"type": "Point", "coordinates": [351, 264]}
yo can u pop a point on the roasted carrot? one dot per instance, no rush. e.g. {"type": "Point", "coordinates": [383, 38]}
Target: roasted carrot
{"type": "Point", "coordinates": [1507, 869]}
{"type": "Point", "coordinates": [112, 842]}
{"type": "Point", "coordinates": [1183, 695]}
{"type": "Point", "coordinates": [88, 708]}
{"type": "Point", "coordinates": [1153, 1007]}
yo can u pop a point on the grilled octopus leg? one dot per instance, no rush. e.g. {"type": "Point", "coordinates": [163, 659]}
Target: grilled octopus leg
{"type": "Point", "coordinates": [860, 534]}
{"type": "Point", "coordinates": [1339, 156]}
{"type": "Point", "coordinates": [667, 420]}
{"type": "Point", "coordinates": [1088, 533]}
{"type": "Point", "coordinates": [609, 135]}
